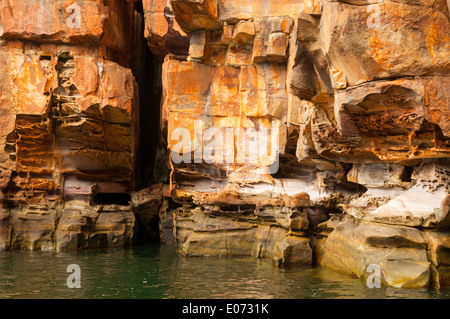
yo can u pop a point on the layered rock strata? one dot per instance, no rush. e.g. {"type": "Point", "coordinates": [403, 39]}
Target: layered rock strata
{"type": "Point", "coordinates": [68, 133]}
{"type": "Point", "coordinates": [309, 132]}
{"type": "Point", "coordinates": [351, 101]}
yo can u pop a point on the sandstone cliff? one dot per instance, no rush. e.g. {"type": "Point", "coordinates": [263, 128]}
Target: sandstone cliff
{"type": "Point", "coordinates": [312, 132]}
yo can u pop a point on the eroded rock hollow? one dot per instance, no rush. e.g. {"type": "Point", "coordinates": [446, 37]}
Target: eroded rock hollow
{"type": "Point", "coordinates": [309, 132]}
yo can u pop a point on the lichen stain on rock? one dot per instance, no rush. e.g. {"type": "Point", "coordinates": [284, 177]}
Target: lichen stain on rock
{"type": "Point", "coordinates": [378, 52]}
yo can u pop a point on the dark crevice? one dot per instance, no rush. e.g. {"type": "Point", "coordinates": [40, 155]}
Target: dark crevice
{"type": "Point", "coordinates": [407, 173]}
{"type": "Point", "coordinates": [147, 71]}
{"type": "Point", "coordinates": [122, 199]}
{"type": "Point", "coordinates": [147, 231]}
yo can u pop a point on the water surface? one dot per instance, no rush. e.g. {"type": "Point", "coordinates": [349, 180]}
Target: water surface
{"type": "Point", "coordinates": [155, 272]}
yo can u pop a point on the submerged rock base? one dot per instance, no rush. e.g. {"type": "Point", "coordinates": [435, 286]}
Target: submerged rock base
{"type": "Point", "coordinates": [231, 225]}
{"type": "Point", "coordinates": [407, 257]}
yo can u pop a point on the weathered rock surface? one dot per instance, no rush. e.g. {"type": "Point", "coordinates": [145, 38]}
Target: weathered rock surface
{"type": "Point", "coordinates": [397, 42]}
{"type": "Point", "coordinates": [275, 115]}
{"type": "Point", "coordinates": [207, 233]}
{"type": "Point", "coordinates": [354, 96]}
{"type": "Point", "coordinates": [68, 137]}
{"type": "Point", "coordinates": [399, 251]}
{"type": "Point", "coordinates": [407, 257]}
{"type": "Point", "coordinates": [425, 204]}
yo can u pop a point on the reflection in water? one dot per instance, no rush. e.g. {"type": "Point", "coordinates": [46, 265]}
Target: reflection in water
{"type": "Point", "coordinates": [158, 272]}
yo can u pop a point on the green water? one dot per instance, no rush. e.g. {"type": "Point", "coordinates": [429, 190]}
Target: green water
{"type": "Point", "coordinates": [158, 272]}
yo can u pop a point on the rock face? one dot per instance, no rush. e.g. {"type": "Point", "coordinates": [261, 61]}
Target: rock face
{"type": "Point", "coordinates": [68, 131]}
{"type": "Point", "coordinates": [274, 117]}
{"type": "Point", "coordinates": [350, 100]}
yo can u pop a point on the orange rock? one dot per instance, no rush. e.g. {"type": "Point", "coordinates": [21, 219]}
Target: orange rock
{"type": "Point", "coordinates": [187, 85]}
{"type": "Point", "coordinates": [196, 14]}
{"type": "Point", "coordinates": [230, 10]}
{"type": "Point", "coordinates": [225, 92]}
{"type": "Point", "coordinates": [390, 48]}
{"type": "Point", "coordinates": [162, 31]}
{"type": "Point", "coordinates": [65, 21]}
